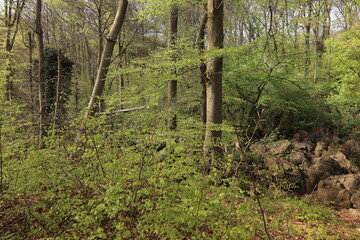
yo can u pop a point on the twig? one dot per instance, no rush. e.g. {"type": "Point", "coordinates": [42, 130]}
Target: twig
{"type": "Point", "coordinates": [122, 110]}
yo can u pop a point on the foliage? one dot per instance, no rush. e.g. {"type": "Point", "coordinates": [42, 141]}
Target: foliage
{"type": "Point", "coordinates": [123, 174]}
{"type": "Point", "coordinates": [131, 181]}
{"type": "Point", "coordinates": [51, 76]}
{"type": "Point", "coordinates": [343, 55]}
{"type": "Point", "coordinates": [271, 87]}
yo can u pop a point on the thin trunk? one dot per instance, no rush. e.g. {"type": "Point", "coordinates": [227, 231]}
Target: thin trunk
{"type": "Point", "coordinates": [106, 58]}
{"type": "Point", "coordinates": [202, 67]}
{"type": "Point", "coordinates": [42, 102]}
{"type": "Point", "coordinates": [58, 88]}
{"type": "Point", "coordinates": [13, 10]}
{"type": "Point", "coordinates": [215, 35]}
{"type": "Point", "coordinates": [89, 64]}
{"type": "Point", "coordinates": [316, 47]}
{"type": "Point", "coordinates": [172, 84]}
{"type": "Point", "coordinates": [307, 39]}
{"type": "Point", "coordinates": [31, 87]}
{"type": "Point", "coordinates": [121, 76]}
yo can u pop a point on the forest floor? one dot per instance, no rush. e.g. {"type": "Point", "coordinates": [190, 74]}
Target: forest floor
{"type": "Point", "coordinates": [28, 217]}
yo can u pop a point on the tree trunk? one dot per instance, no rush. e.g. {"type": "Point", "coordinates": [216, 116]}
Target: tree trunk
{"type": "Point", "coordinates": [31, 48]}
{"type": "Point", "coordinates": [58, 89]}
{"type": "Point", "coordinates": [106, 58]}
{"type": "Point", "coordinates": [307, 39]}
{"type": "Point", "coordinates": [214, 77]}
{"type": "Point", "coordinates": [172, 84]}
{"type": "Point", "coordinates": [13, 10]}
{"type": "Point", "coordinates": [42, 102]}
{"type": "Point", "coordinates": [202, 67]}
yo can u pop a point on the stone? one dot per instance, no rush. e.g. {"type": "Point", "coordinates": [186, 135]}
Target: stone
{"type": "Point", "coordinates": [344, 162]}
{"type": "Point", "coordinates": [320, 148]}
{"type": "Point", "coordinates": [280, 147]}
{"type": "Point", "coordinates": [322, 169]}
{"type": "Point", "coordinates": [297, 137]}
{"type": "Point", "coordinates": [297, 158]}
{"type": "Point", "coordinates": [303, 134]}
{"type": "Point", "coordinates": [352, 146]}
{"type": "Point", "coordinates": [306, 146]}
{"type": "Point", "coordinates": [342, 190]}
{"type": "Point", "coordinates": [355, 200]}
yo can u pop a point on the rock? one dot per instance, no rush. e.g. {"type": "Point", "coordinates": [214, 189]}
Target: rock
{"type": "Point", "coordinates": [355, 200]}
{"type": "Point", "coordinates": [330, 191]}
{"type": "Point", "coordinates": [326, 139]}
{"type": "Point", "coordinates": [297, 137]}
{"type": "Point", "coordinates": [322, 169]}
{"type": "Point", "coordinates": [306, 146]}
{"type": "Point", "coordinates": [354, 213]}
{"type": "Point", "coordinates": [341, 190]}
{"type": "Point", "coordinates": [297, 158]}
{"type": "Point", "coordinates": [280, 147]}
{"type": "Point", "coordinates": [350, 181]}
{"type": "Point", "coordinates": [320, 148]}
{"type": "Point", "coordinates": [344, 162]}
{"type": "Point", "coordinates": [303, 134]}
{"type": "Point", "coordinates": [352, 146]}
{"type": "Point", "coordinates": [352, 151]}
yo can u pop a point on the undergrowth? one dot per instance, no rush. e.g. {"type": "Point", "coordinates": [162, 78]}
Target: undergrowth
{"type": "Point", "coordinates": [139, 181]}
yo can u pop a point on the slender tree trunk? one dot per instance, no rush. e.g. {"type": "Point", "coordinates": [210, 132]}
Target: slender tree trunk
{"type": "Point", "coordinates": [215, 35]}
{"type": "Point", "coordinates": [106, 58]}
{"type": "Point", "coordinates": [307, 39]}
{"type": "Point", "coordinates": [12, 15]}
{"type": "Point", "coordinates": [172, 84]}
{"type": "Point", "coordinates": [121, 76]}
{"type": "Point", "coordinates": [58, 88]}
{"type": "Point", "coordinates": [42, 102]}
{"type": "Point", "coordinates": [202, 67]}
{"type": "Point", "coordinates": [31, 87]}
{"type": "Point", "coordinates": [89, 64]}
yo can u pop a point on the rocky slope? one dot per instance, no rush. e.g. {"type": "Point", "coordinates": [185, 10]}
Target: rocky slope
{"type": "Point", "coordinates": [320, 166]}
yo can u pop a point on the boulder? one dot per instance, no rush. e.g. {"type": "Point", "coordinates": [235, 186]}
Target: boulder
{"type": "Point", "coordinates": [303, 146]}
{"type": "Point", "coordinates": [352, 145]}
{"type": "Point", "coordinates": [341, 190]}
{"type": "Point", "coordinates": [352, 151]}
{"type": "Point", "coordinates": [322, 169]}
{"type": "Point", "coordinates": [344, 162]}
{"type": "Point", "coordinates": [320, 148]}
{"type": "Point", "coordinates": [303, 134]}
{"type": "Point", "coordinates": [297, 158]}
{"type": "Point", "coordinates": [280, 147]}
{"type": "Point", "coordinates": [355, 200]}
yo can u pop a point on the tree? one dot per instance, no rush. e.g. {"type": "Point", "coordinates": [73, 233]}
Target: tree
{"type": "Point", "coordinates": [42, 102]}
{"type": "Point", "coordinates": [106, 58]}
{"type": "Point", "coordinates": [12, 17]}
{"type": "Point", "coordinates": [215, 33]}
{"type": "Point", "coordinates": [57, 74]}
{"type": "Point", "coordinates": [172, 84]}
{"type": "Point", "coordinates": [202, 67]}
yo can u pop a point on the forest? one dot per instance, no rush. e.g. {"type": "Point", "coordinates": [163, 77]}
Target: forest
{"type": "Point", "coordinates": [179, 119]}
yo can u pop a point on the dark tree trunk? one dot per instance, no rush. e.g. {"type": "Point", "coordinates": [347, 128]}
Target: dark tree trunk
{"type": "Point", "coordinates": [42, 102]}
{"type": "Point", "coordinates": [172, 84]}
{"type": "Point", "coordinates": [202, 67]}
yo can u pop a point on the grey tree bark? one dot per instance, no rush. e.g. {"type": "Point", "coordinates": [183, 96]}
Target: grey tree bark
{"type": "Point", "coordinates": [215, 33]}
{"type": "Point", "coordinates": [106, 58]}
{"type": "Point", "coordinates": [202, 66]}
{"type": "Point", "coordinates": [42, 102]}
